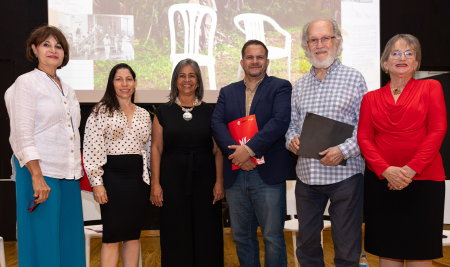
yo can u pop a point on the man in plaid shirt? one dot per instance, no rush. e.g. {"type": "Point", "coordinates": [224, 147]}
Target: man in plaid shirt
{"type": "Point", "coordinates": [334, 91]}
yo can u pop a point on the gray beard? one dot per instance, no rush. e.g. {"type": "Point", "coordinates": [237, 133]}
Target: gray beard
{"type": "Point", "coordinates": [321, 64]}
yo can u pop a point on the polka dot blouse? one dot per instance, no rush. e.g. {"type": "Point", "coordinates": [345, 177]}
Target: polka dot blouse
{"type": "Point", "coordinates": [106, 135]}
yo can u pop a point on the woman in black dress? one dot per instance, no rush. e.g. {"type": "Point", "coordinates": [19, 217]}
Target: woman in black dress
{"type": "Point", "coordinates": [116, 152]}
{"type": "Point", "coordinates": [187, 174]}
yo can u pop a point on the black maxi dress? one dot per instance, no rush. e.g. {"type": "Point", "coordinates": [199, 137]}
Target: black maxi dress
{"type": "Point", "coordinates": [191, 226]}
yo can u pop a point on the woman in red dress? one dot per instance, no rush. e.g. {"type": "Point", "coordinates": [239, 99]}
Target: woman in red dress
{"type": "Point", "coordinates": [400, 131]}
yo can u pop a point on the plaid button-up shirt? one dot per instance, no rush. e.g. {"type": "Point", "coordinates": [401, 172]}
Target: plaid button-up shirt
{"type": "Point", "coordinates": [337, 97]}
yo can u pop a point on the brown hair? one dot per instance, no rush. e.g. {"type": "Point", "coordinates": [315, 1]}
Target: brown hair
{"type": "Point", "coordinates": [254, 42]}
{"type": "Point", "coordinates": [39, 35]}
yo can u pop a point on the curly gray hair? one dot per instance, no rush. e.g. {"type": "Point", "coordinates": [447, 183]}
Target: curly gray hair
{"type": "Point", "coordinates": [336, 31]}
{"type": "Point", "coordinates": [410, 40]}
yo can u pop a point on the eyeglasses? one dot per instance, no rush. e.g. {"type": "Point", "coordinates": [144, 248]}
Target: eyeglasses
{"type": "Point", "coordinates": [396, 54]}
{"type": "Point", "coordinates": [324, 40]}
{"type": "Point", "coordinates": [33, 205]}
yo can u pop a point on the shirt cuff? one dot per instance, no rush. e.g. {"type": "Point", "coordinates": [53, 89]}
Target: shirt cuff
{"type": "Point", "coordinates": [343, 151]}
{"type": "Point", "coordinates": [250, 151]}
{"type": "Point", "coordinates": [288, 142]}
{"type": "Point", "coordinates": [27, 154]}
{"type": "Point", "coordinates": [96, 181]}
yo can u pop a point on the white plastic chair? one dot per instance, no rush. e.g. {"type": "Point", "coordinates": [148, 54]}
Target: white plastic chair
{"type": "Point", "coordinates": [193, 15]}
{"type": "Point", "coordinates": [292, 224]}
{"type": "Point", "coordinates": [446, 240]}
{"type": "Point", "coordinates": [254, 30]}
{"type": "Point", "coordinates": [90, 233]}
{"type": "Point", "coordinates": [2, 253]}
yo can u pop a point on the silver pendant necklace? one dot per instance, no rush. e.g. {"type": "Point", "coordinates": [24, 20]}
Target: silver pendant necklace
{"type": "Point", "coordinates": [187, 116]}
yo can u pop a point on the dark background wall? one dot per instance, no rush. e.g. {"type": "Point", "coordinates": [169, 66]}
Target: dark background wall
{"type": "Point", "coordinates": [428, 20]}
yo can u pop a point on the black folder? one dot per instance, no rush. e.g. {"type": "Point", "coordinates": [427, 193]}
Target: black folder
{"type": "Point", "coordinates": [319, 133]}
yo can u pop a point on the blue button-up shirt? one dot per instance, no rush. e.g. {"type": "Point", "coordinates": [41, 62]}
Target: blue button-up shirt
{"type": "Point", "coordinates": [337, 97]}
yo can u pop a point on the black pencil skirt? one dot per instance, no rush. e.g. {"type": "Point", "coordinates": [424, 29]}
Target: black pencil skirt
{"type": "Point", "coordinates": [403, 224]}
{"type": "Point", "coordinates": [128, 197]}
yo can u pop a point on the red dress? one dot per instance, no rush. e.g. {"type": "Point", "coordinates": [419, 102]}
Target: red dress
{"type": "Point", "coordinates": [409, 132]}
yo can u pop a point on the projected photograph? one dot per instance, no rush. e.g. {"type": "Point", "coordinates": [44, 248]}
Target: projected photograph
{"type": "Point", "coordinates": [99, 37]}
{"type": "Point", "coordinates": [212, 33]}
{"type": "Point", "coordinates": [154, 35]}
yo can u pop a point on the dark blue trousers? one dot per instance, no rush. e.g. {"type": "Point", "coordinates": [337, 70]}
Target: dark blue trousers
{"type": "Point", "coordinates": [346, 202]}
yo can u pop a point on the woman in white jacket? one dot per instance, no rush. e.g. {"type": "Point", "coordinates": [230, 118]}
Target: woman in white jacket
{"type": "Point", "coordinates": [45, 115]}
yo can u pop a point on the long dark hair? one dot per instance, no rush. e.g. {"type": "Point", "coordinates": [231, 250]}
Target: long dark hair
{"type": "Point", "coordinates": [109, 103]}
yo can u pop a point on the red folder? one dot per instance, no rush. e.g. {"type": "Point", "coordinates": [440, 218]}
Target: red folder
{"type": "Point", "coordinates": [84, 183]}
{"type": "Point", "coordinates": [242, 130]}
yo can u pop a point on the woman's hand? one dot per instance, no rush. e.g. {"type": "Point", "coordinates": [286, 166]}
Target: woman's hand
{"type": "Point", "coordinates": [218, 192]}
{"type": "Point", "coordinates": [156, 195]}
{"type": "Point", "coordinates": [100, 194]}
{"type": "Point", "coordinates": [397, 178]}
{"type": "Point", "coordinates": [411, 173]}
{"type": "Point", "coordinates": [41, 189]}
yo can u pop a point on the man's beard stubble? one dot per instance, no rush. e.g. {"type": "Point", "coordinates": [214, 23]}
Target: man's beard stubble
{"type": "Point", "coordinates": [259, 73]}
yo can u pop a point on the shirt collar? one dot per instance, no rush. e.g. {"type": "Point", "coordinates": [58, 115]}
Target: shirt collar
{"type": "Point", "coordinates": [257, 84]}
{"type": "Point", "coordinates": [44, 75]}
{"type": "Point", "coordinates": [336, 64]}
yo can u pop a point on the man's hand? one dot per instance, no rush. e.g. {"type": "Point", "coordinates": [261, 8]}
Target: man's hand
{"type": "Point", "coordinates": [240, 156]}
{"type": "Point", "coordinates": [333, 156]}
{"type": "Point", "coordinates": [294, 145]}
{"type": "Point", "coordinates": [248, 166]}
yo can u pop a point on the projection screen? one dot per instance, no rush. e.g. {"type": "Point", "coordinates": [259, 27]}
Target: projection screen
{"type": "Point", "coordinates": [153, 35]}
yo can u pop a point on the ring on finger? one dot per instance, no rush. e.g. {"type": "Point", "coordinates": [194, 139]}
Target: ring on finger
{"type": "Point", "coordinates": [400, 187]}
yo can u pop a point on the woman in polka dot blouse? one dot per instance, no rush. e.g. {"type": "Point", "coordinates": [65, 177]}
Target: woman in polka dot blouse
{"type": "Point", "coordinates": [116, 158]}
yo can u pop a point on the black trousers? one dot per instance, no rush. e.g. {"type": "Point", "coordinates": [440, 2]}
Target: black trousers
{"type": "Point", "coordinates": [191, 226]}
{"type": "Point", "coordinates": [346, 202]}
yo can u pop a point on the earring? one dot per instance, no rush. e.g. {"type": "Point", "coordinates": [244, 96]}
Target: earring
{"type": "Point", "coordinates": [415, 71]}
{"type": "Point", "coordinates": [387, 71]}
{"type": "Point", "coordinates": [36, 56]}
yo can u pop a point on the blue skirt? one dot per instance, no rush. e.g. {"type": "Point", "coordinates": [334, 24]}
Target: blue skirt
{"type": "Point", "coordinates": [53, 234]}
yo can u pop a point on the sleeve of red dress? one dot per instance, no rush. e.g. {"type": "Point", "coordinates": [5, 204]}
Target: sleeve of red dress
{"type": "Point", "coordinates": [366, 140]}
{"type": "Point", "coordinates": [436, 129]}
